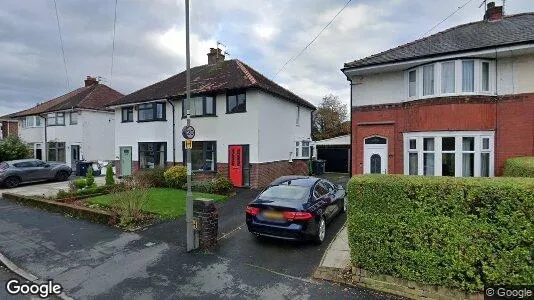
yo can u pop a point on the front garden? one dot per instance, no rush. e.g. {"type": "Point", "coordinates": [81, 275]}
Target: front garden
{"type": "Point", "coordinates": [147, 196]}
{"type": "Point", "coordinates": [458, 233]}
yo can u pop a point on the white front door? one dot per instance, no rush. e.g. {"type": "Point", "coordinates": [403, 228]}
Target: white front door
{"type": "Point", "coordinates": [375, 158]}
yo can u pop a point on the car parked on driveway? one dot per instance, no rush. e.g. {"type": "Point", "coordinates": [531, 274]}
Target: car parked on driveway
{"type": "Point", "coordinates": [296, 208]}
{"type": "Point", "coordinates": [15, 172]}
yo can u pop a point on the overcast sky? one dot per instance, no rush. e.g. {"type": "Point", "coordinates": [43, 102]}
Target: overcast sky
{"type": "Point", "coordinates": [150, 40]}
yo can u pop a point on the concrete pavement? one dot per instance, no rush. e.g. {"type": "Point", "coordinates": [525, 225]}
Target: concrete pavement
{"type": "Point", "coordinates": [99, 262]}
{"type": "Point", "coordinates": [338, 253]}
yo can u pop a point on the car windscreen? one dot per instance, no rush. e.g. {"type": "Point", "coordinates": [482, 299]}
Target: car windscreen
{"type": "Point", "coordinates": [287, 192]}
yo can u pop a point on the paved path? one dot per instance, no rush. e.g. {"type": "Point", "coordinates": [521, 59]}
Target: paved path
{"type": "Point", "coordinates": [45, 189]}
{"type": "Point", "coordinates": [95, 261]}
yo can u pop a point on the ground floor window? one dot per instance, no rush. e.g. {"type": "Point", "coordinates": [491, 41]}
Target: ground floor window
{"type": "Point", "coordinates": [202, 155]}
{"type": "Point", "coordinates": [152, 155]}
{"type": "Point", "coordinates": [56, 152]}
{"type": "Point", "coordinates": [302, 149]}
{"type": "Point", "coordinates": [449, 153]}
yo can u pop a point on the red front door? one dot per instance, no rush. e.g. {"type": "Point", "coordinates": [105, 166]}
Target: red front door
{"type": "Point", "coordinates": [235, 154]}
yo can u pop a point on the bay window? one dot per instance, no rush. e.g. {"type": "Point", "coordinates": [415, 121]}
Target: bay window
{"type": "Point", "coordinates": [449, 153]}
{"type": "Point", "coordinates": [31, 122]}
{"type": "Point", "coordinates": [449, 78]}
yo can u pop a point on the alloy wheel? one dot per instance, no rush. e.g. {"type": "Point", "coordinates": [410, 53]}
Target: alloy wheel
{"type": "Point", "coordinates": [345, 204]}
{"type": "Point", "coordinates": [322, 229]}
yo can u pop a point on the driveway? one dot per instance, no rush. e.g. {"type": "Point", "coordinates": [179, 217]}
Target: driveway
{"type": "Point", "coordinates": [95, 261]}
{"type": "Point", "coordinates": [46, 189]}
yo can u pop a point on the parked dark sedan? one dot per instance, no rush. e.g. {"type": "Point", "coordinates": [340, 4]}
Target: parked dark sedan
{"type": "Point", "coordinates": [296, 208]}
{"type": "Point", "coordinates": [15, 172]}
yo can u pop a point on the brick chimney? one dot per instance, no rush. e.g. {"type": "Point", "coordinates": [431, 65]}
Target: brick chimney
{"type": "Point", "coordinates": [493, 13]}
{"type": "Point", "coordinates": [215, 56]}
{"type": "Point", "coordinates": [89, 81]}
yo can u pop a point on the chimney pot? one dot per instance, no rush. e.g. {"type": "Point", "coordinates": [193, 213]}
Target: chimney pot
{"type": "Point", "coordinates": [89, 81]}
{"type": "Point", "coordinates": [215, 55]}
{"type": "Point", "coordinates": [493, 13]}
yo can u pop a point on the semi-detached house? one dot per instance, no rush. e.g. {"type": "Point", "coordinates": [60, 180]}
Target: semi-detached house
{"type": "Point", "coordinates": [72, 127]}
{"type": "Point", "coordinates": [247, 127]}
{"type": "Point", "coordinates": [456, 103]}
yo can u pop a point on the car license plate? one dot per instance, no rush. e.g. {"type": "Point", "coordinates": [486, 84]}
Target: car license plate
{"type": "Point", "coordinates": [273, 215]}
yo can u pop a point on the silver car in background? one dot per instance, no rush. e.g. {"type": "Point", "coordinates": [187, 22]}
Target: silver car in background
{"type": "Point", "coordinates": [15, 172]}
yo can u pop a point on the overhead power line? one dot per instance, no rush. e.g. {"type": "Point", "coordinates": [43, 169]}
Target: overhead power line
{"type": "Point", "coordinates": [446, 18]}
{"type": "Point", "coordinates": [62, 49]}
{"type": "Point", "coordinates": [113, 44]}
{"type": "Point", "coordinates": [313, 40]}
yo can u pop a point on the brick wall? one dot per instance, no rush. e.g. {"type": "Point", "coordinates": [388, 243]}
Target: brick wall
{"type": "Point", "coordinates": [9, 129]}
{"type": "Point", "coordinates": [511, 117]}
{"type": "Point", "coordinates": [263, 174]}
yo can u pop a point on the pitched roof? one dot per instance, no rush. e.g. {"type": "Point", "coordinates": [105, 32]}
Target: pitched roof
{"type": "Point", "coordinates": [96, 96]}
{"type": "Point", "coordinates": [218, 77]}
{"type": "Point", "coordinates": [513, 29]}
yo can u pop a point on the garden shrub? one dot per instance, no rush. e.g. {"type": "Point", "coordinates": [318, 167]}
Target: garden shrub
{"type": "Point", "coordinates": [129, 203]}
{"type": "Point", "coordinates": [176, 176]}
{"type": "Point", "coordinates": [519, 167]}
{"type": "Point", "coordinates": [222, 185]}
{"type": "Point", "coordinates": [454, 232]}
{"type": "Point", "coordinates": [79, 183]}
{"type": "Point", "coordinates": [109, 175]}
{"type": "Point", "coordinates": [12, 148]}
{"type": "Point", "coordinates": [148, 178]}
{"type": "Point", "coordinates": [90, 177]}
{"type": "Point", "coordinates": [201, 186]}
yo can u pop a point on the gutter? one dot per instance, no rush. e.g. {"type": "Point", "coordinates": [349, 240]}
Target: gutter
{"type": "Point", "coordinates": [173, 132]}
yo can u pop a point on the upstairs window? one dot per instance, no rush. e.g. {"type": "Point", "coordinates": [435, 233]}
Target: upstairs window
{"type": "Point", "coordinates": [448, 78]}
{"type": "Point", "coordinates": [151, 112]}
{"type": "Point", "coordinates": [200, 106]}
{"type": "Point", "coordinates": [55, 119]}
{"type": "Point", "coordinates": [485, 77]}
{"type": "Point", "coordinates": [73, 118]}
{"type": "Point", "coordinates": [127, 114]}
{"type": "Point", "coordinates": [31, 122]}
{"type": "Point", "coordinates": [236, 102]}
{"type": "Point", "coordinates": [412, 78]}
{"type": "Point", "coordinates": [428, 80]}
{"type": "Point", "coordinates": [468, 76]}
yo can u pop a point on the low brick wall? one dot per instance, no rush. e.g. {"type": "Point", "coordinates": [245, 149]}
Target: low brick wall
{"type": "Point", "coordinates": [263, 174]}
{"type": "Point", "coordinates": [86, 213]}
{"type": "Point", "coordinates": [400, 287]}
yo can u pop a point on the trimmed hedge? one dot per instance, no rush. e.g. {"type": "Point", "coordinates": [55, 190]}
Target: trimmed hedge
{"type": "Point", "coordinates": [519, 167]}
{"type": "Point", "coordinates": [453, 232]}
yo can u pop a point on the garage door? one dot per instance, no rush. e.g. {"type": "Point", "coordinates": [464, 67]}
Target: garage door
{"type": "Point", "coordinates": [337, 158]}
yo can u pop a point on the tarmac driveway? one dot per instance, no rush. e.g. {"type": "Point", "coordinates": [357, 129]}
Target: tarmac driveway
{"type": "Point", "coordinates": [95, 261]}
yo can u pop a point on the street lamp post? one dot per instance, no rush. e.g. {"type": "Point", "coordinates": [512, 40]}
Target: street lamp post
{"type": "Point", "coordinates": [189, 197]}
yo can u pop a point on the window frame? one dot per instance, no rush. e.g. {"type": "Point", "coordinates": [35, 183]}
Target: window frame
{"type": "Point", "coordinates": [433, 80]}
{"type": "Point", "coordinates": [156, 145]}
{"type": "Point", "coordinates": [441, 87]}
{"type": "Point", "coordinates": [204, 110]}
{"type": "Point", "coordinates": [416, 89]}
{"type": "Point", "coordinates": [56, 116]}
{"type": "Point", "coordinates": [35, 119]}
{"type": "Point", "coordinates": [204, 151]}
{"type": "Point", "coordinates": [236, 94]}
{"type": "Point", "coordinates": [129, 112]}
{"type": "Point", "coordinates": [474, 80]}
{"type": "Point", "coordinates": [153, 106]}
{"type": "Point", "coordinates": [56, 146]}
{"type": "Point", "coordinates": [300, 147]}
{"type": "Point", "coordinates": [73, 113]}
{"type": "Point", "coordinates": [478, 136]}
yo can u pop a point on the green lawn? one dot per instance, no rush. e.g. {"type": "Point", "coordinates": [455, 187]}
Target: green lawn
{"type": "Point", "coordinates": [167, 203]}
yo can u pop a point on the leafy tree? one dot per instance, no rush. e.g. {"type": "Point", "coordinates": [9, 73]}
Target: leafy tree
{"type": "Point", "coordinates": [90, 177]}
{"type": "Point", "coordinates": [329, 120]}
{"type": "Point", "coordinates": [12, 148]}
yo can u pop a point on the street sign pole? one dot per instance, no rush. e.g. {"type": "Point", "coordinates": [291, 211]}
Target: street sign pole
{"type": "Point", "coordinates": [189, 197]}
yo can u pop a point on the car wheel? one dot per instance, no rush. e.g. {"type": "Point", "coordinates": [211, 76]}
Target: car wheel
{"type": "Point", "coordinates": [321, 231]}
{"type": "Point", "coordinates": [344, 209]}
{"type": "Point", "coordinates": [12, 182]}
{"type": "Point", "coordinates": [62, 176]}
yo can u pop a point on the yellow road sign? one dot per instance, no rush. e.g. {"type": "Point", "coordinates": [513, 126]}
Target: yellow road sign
{"type": "Point", "coordinates": [188, 144]}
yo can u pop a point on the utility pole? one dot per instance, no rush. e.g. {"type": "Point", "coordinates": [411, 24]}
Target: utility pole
{"type": "Point", "coordinates": [189, 197]}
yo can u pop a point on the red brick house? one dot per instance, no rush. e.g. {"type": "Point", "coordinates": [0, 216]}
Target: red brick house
{"type": "Point", "coordinates": [457, 103]}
